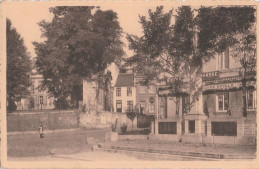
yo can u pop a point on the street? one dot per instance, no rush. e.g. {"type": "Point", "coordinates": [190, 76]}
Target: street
{"type": "Point", "coordinates": [72, 146]}
{"type": "Point", "coordinates": [31, 145]}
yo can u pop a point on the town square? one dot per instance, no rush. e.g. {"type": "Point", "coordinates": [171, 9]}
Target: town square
{"type": "Point", "coordinates": [166, 83]}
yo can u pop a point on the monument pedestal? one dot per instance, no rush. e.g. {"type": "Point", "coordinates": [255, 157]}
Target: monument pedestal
{"type": "Point", "coordinates": [195, 123]}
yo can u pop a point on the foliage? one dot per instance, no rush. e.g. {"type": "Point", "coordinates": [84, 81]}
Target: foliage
{"type": "Point", "coordinates": [11, 105]}
{"type": "Point", "coordinates": [131, 115]}
{"type": "Point", "coordinates": [165, 51]}
{"type": "Point", "coordinates": [80, 42]}
{"type": "Point", "coordinates": [84, 108]}
{"type": "Point", "coordinates": [31, 103]}
{"type": "Point", "coordinates": [218, 27]}
{"type": "Point", "coordinates": [18, 66]}
{"type": "Point", "coordinates": [123, 128]}
{"type": "Point", "coordinates": [176, 51]}
{"type": "Point", "coordinates": [234, 28]}
{"type": "Point", "coordinates": [114, 125]}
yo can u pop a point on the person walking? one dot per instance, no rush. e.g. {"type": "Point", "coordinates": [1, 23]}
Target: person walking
{"type": "Point", "coordinates": [41, 130]}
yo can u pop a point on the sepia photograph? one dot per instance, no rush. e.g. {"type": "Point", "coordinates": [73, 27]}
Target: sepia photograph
{"type": "Point", "coordinates": [129, 83]}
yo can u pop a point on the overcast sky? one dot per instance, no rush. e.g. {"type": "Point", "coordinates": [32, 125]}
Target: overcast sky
{"type": "Point", "coordinates": [24, 18]}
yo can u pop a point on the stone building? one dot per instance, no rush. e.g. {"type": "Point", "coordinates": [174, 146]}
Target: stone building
{"type": "Point", "coordinates": [98, 93]}
{"type": "Point", "coordinates": [223, 101]}
{"type": "Point", "coordinates": [217, 116]}
{"type": "Point", "coordinates": [39, 99]}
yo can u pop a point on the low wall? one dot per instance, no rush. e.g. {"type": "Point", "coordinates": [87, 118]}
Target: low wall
{"type": "Point", "coordinates": [105, 119]}
{"type": "Point", "coordinates": [51, 120]}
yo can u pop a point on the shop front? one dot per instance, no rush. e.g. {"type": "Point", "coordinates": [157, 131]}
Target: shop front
{"type": "Point", "coordinates": [227, 122]}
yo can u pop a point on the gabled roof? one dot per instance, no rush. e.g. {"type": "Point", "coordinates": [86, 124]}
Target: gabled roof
{"type": "Point", "coordinates": [124, 80]}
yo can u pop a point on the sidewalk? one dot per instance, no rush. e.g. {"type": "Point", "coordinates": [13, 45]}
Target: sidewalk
{"type": "Point", "coordinates": [182, 149]}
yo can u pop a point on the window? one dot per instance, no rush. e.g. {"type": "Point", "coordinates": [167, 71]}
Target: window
{"type": "Point", "coordinates": [224, 128]}
{"type": "Point", "coordinates": [118, 91]}
{"type": "Point", "coordinates": [251, 100]}
{"type": "Point", "coordinates": [222, 102]}
{"type": "Point", "coordinates": [191, 126]}
{"type": "Point", "coordinates": [223, 60]}
{"type": "Point", "coordinates": [185, 104]}
{"type": "Point", "coordinates": [129, 91]}
{"type": "Point", "coordinates": [152, 89]}
{"type": "Point", "coordinates": [167, 127]}
{"type": "Point", "coordinates": [151, 105]}
{"type": "Point", "coordinates": [129, 105]}
{"type": "Point", "coordinates": [142, 107]}
{"type": "Point", "coordinates": [143, 89]}
{"type": "Point", "coordinates": [119, 106]}
{"type": "Point", "coordinates": [41, 99]}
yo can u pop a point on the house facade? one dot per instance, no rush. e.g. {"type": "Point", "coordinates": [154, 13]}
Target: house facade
{"type": "Point", "coordinates": [146, 96]}
{"type": "Point", "coordinates": [217, 116]}
{"type": "Point", "coordinates": [39, 99]}
{"type": "Point", "coordinates": [223, 101]}
{"type": "Point", "coordinates": [124, 93]}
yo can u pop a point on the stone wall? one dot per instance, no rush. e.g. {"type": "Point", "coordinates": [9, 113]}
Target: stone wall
{"type": "Point", "coordinates": [51, 120]}
{"type": "Point", "coordinates": [105, 119]}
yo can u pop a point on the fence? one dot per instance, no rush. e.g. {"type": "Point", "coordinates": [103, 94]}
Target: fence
{"type": "Point", "coordinates": [51, 120]}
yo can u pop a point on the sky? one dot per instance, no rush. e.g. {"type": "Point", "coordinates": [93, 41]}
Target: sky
{"type": "Point", "coordinates": [25, 18]}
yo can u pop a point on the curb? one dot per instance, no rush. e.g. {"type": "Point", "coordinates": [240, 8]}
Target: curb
{"type": "Point", "coordinates": [179, 153]}
{"type": "Point", "coordinates": [127, 152]}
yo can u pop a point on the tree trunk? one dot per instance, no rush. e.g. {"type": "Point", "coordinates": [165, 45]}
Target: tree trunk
{"type": "Point", "coordinates": [132, 125]}
{"type": "Point", "coordinates": [244, 98]}
{"type": "Point", "coordinates": [177, 105]}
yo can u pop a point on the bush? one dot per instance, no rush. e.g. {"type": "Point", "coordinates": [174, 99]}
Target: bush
{"type": "Point", "coordinates": [123, 128]}
{"type": "Point", "coordinates": [11, 106]}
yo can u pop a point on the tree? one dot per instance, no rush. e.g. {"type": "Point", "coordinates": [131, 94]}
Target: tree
{"type": "Point", "coordinates": [176, 51]}
{"type": "Point", "coordinates": [131, 114]}
{"type": "Point", "coordinates": [230, 27]}
{"type": "Point", "coordinates": [80, 42]}
{"type": "Point", "coordinates": [18, 67]}
{"type": "Point", "coordinates": [165, 50]}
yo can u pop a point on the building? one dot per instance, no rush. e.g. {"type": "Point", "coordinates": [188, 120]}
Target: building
{"type": "Point", "coordinates": [223, 101]}
{"type": "Point", "coordinates": [98, 93]}
{"type": "Point", "coordinates": [124, 97]}
{"type": "Point", "coordinates": [217, 116]}
{"type": "Point", "coordinates": [38, 99]}
{"type": "Point", "coordinates": [146, 96]}
{"type": "Point", "coordinates": [98, 90]}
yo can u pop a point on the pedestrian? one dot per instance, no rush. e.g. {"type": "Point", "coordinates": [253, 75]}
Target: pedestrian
{"type": "Point", "coordinates": [41, 130]}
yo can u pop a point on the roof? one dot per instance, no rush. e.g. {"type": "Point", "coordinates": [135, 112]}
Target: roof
{"type": "Point", "coordinates": [124, 80]}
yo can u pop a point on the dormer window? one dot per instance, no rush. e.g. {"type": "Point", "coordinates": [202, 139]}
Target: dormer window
{"type": "Point", "coordinates": [223, 60]}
